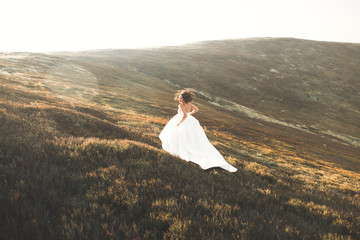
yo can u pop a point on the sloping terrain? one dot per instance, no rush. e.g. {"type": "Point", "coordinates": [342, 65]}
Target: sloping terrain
{"type": "Point", "coordinates": [81, 159]}
{"type": "Point", "coordinates": [313, 85]}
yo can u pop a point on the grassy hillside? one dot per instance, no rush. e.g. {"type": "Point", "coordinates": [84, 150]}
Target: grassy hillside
{"type": "Point", "coordinates": [307, 83]}
{"type": "Point", "coordinates": [81, 158]}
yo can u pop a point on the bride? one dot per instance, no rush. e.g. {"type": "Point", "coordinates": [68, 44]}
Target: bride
{"type": "Point", "coordinates": [183, 136]}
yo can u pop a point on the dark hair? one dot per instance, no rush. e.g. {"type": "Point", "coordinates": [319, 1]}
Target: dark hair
{"type": "Point", "coordinates": [187, 95]}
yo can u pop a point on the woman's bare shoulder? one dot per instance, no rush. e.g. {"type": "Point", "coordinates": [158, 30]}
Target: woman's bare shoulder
{"type": "Point", "coordinates": [181, 106]}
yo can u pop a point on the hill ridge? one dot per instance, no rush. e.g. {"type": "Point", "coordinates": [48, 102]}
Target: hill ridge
{"type": "Point", "coordinates": [81, 158]}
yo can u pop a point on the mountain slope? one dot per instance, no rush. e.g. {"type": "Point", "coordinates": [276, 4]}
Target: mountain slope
{"type": "Point", "coordinates": [299, 81]}
{"type": "Point", "coordinates": [81, 158]}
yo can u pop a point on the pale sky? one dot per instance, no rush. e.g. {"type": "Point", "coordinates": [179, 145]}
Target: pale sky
{"type": "Point", "coordinates": [57, 25]}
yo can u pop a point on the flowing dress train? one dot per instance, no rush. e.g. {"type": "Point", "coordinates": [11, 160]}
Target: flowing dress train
{"type": "Point", "coordinates": [189, 142]}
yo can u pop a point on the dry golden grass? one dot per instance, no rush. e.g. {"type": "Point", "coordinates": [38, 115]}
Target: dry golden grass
{"type": "Point", "coordinates": [72, 169]}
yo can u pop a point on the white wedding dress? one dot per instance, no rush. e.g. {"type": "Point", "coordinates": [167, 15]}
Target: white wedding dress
{"type": "Point", "coordinates": [189, 142]}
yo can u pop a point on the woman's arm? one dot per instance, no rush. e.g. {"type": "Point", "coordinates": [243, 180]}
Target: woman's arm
{"type": "Point", "coordinates": [195, 109]}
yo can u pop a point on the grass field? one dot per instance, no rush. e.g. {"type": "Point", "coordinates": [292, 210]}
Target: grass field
{"type": "Point", "coordinates": [81, 159]}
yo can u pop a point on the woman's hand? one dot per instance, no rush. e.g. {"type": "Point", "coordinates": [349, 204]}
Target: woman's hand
{"type": "Point", "coordinates": [178, 124]}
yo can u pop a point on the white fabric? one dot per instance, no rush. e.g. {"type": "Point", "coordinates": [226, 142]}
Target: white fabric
{"type": "Point", "coordinates": [189, 142]}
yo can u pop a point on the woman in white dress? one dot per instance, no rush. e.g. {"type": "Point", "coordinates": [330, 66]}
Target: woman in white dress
{"type": "Point", "coordinates": [184, 137]}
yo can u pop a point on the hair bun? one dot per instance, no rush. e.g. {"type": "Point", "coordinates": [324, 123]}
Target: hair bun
{"type": "Point", "coordinates": [187, 94]}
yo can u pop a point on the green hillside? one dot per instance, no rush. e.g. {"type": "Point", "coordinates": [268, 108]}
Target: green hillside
{"type": "Point", "coordinates": [302, 82]}
{"type": "Point", "coordinates": [81, 158]}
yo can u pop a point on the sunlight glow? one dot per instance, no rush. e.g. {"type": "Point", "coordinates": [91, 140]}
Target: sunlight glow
{"type": "Point", "coordinates": [43, 25]}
